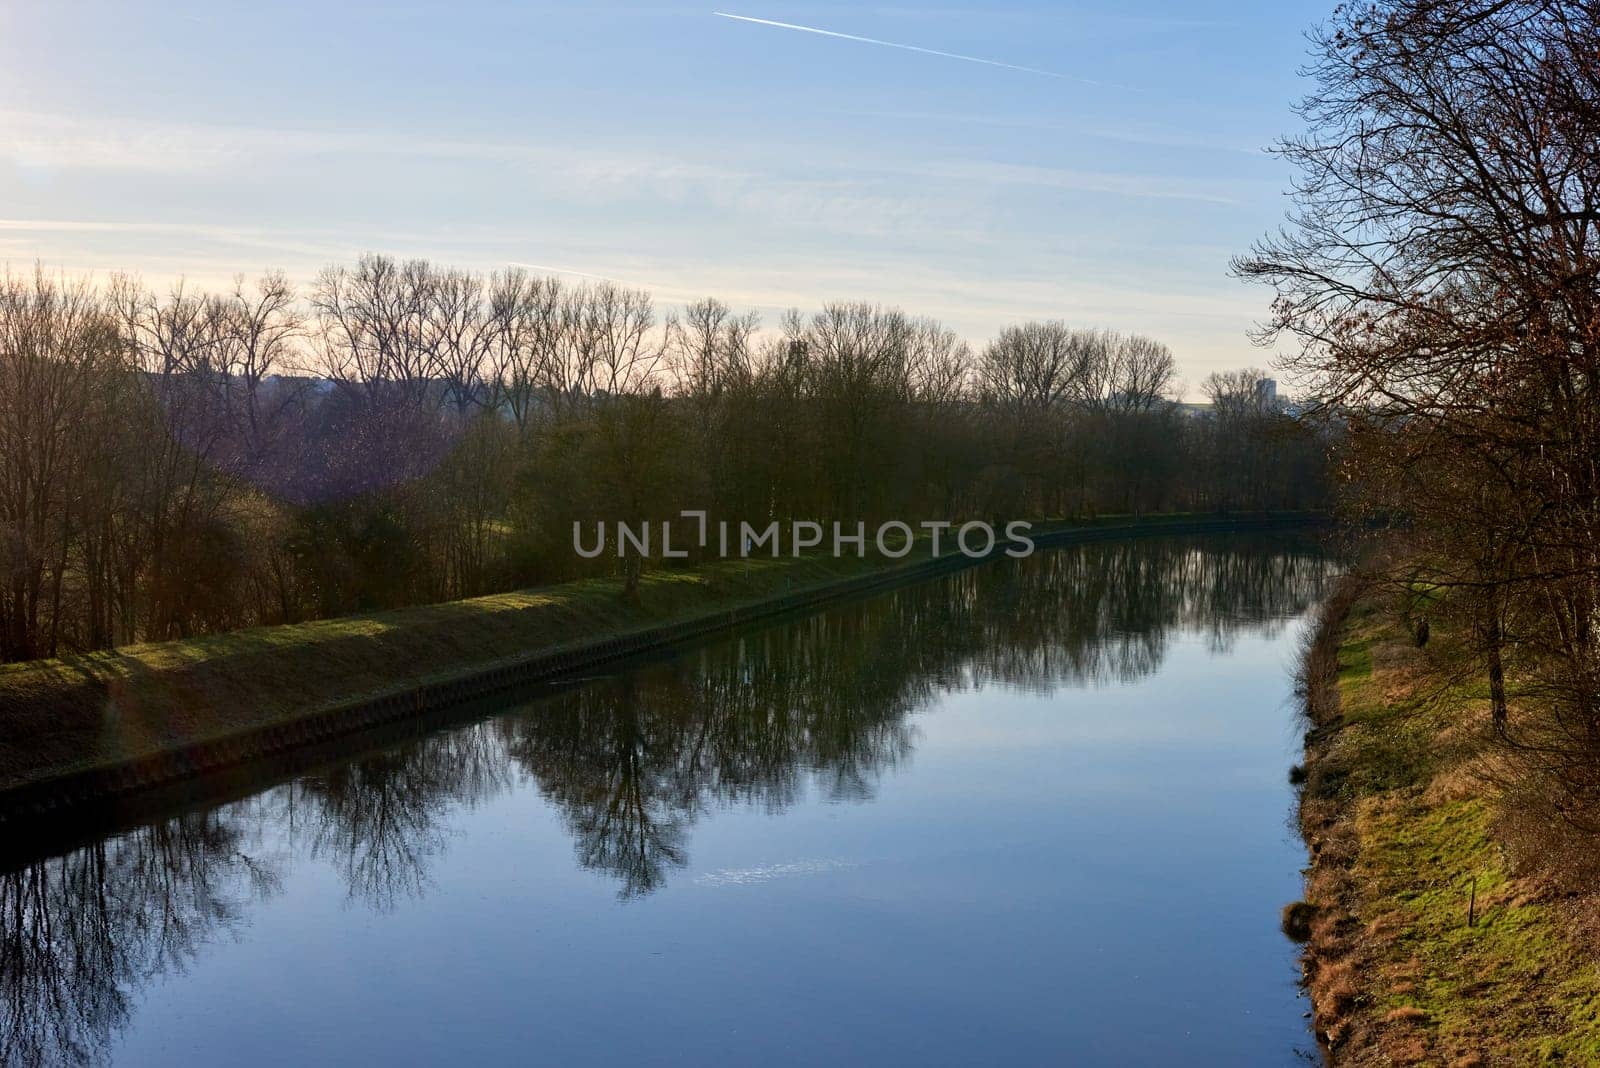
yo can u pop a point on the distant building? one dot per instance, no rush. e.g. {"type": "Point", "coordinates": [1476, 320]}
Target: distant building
{"type": "Point", "coordinates": [1265, 399]}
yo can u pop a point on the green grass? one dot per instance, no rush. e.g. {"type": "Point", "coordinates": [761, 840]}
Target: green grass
{"type": "Point", "coordinates": [1355, 661]}
{"type": "Point", "coordinates": [1513, 980]}
{"type": "Point", "coordinates": [1514, 986]}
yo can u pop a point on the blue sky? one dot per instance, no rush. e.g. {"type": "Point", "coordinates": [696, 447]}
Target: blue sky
{"type": "Point", "coordinates": [668, 147]}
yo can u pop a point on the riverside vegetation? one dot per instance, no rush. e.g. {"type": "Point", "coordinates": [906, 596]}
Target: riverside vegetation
{"type": "Point", "coordinates": [1444, 925]}
{"type": "Point", "coordinates": [181, 464]}
{"type": "Point", "coordinates": [213, 505]}
{"type": "Point", "coordinates": [1440, 284]}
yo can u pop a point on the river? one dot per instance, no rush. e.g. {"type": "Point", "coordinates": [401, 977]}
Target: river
{"type": "Point", "coordinates": [1035, 812]}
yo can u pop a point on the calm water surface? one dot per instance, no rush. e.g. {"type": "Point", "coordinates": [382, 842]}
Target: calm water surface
{"type": "Point", "coordinates": [1034, 813]}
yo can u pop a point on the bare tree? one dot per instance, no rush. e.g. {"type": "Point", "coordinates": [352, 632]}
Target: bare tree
{"type": "Point", "coordinates": [619, 350]}
{"type": "Point", "coordinates": [374, 327]}
{"type": "Point", "coordinates": [523, 336]}
{"type": "Point", "coordinates": [1442, 278]}
{"type": "Point", "coordinates": [457, 336]}
{"type": "Point", "coordinates": [259, 330]}
{"type": "Point", "coordinates": [57, 347]}
{"type": "Point", "coordinates": [710, 349]}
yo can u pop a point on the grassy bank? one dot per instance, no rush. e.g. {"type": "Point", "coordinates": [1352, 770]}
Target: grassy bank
{"type": "Point", "coordinates": [87, 711]}
{"type": "Point", "coordinates": [105, 710]}
{"type": "Point", "coordinates": [1429, 942]}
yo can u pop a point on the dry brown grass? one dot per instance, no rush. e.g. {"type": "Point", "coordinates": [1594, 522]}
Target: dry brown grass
{"type": "Point", "coordinates": [1405, 1014]}
{"type": "Point", "coordinates": [1470, 778]}
{"type": "Point", "coordinates": [1406, 1049]}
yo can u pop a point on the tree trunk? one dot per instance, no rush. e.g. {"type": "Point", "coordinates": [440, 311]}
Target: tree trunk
{"type": "Point", "coordinates": [1497, 675]}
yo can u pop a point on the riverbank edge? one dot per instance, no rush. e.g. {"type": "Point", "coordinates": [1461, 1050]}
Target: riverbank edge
{"type": "Point", "coordinates": [47, 791]}
{"type": "Point", "coordinates": [1332, 901]}
{"type": "Point", "coordinates": [1425, 943]}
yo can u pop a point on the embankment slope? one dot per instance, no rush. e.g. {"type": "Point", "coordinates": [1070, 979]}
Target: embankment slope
{"type": "Point", "coordinates": [1429, 943]}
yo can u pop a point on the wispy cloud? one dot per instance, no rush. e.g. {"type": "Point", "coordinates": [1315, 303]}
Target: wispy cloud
{"type": "Point", "coordinates": [274, 240]}
{"type": "Point", "coordinates": [47, 141]}
{"type": "Point", "coordinates": [1105, 183]}
{"type": "Point", "coordinates": [1130, 134]}
{"type": "Point", "coordinates": [903, 47]}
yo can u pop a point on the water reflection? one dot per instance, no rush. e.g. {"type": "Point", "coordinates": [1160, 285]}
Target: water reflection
{"type": "Point", "coordinates": [82, 934]}
{"type": "Point", "coordinates": [379, 821]}
{"type": "Point", "coordinates": [630, 763]}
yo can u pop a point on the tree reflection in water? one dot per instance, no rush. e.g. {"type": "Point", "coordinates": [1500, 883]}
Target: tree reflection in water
{"type": "Point", "coordinates": [630, 763]}
{"type": "Point", "coordinates": [81, 934]}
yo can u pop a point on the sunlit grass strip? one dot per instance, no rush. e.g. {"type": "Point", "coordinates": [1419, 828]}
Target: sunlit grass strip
{"type": "Point", "coordinates": [78, 712]}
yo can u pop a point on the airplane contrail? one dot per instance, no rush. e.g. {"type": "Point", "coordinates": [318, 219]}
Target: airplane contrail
{"type": "Point", "coordinates": [904, 47]}
{"type": "Point", "coordinates": [548, 269]}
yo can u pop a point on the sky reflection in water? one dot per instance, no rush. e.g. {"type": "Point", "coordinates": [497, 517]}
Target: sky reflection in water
{"type": "Point", "coordinates": [1032, 813]}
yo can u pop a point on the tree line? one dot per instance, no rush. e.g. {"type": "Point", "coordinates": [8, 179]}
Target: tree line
{"type": "Point", "coordinates": [1442, 279]}
{"type": "Point", "coordinates": [183, 462]}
